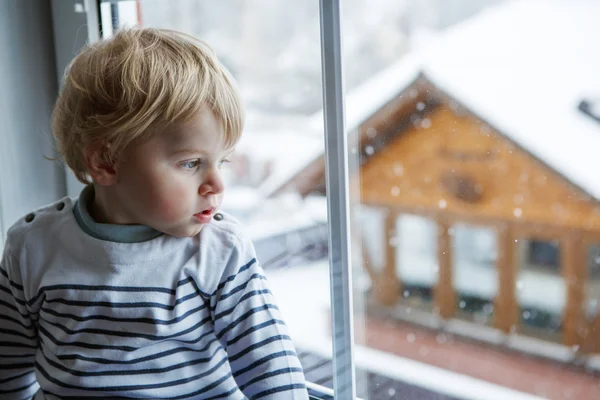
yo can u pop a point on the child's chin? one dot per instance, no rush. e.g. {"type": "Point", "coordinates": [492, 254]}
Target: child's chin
{"type": "Point", "coordinates": [187, 231]}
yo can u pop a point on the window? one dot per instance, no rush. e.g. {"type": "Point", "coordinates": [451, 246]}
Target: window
{"type": "Point", "coordinates": [417, 262]}
{"type": "Point", "coordinates": [475, 276]}
{"type": "Point", "coordinates": [472, 206]}
{"type": "Point", "coordinates": [541, 289]}
{"type": "Point", "coordinates": [592, 300]}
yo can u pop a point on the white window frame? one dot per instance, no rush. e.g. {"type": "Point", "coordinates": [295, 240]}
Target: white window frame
{"type": "Point", "coordinates": [338, 201]}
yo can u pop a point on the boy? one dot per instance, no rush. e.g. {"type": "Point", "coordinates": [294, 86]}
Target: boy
{"type": "Point", "coordinates": [139, 288]}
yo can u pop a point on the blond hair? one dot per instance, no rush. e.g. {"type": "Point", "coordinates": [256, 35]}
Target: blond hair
{"type": "Point", "coordinates": [138, 82]}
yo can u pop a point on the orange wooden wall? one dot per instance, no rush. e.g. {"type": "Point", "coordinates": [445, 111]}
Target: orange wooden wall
{"type": "Point", "coordinates": [420, 167]}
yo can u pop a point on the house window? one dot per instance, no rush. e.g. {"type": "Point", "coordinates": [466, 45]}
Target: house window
{"type": "Point", "coordinates": [540, 289]}
{"type": "Point", "coordinates": [416, 259]}
{"type": "Point", "coordinates": [543, 254]}
{"type": "Point", "coordinates": [372, 225]}
{"type": "Point", "coordinates": [592, 284]}
{"type": "Point", "coordinates": [591, 303]}
{"type": "Point", "coordinates": [474, 273]}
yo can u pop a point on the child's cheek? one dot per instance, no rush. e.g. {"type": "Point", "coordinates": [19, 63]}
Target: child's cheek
{"type": "Point", "coordinates": [173, 204]}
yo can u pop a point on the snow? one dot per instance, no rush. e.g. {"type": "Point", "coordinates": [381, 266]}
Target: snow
{"type": "Point", "coordinates": [366, 99]}
{"type": "Point", "coordinates": [360, 104]}
{"type": "Point", "coordinates": [286, 213]}
{"type": "Point", "coordinates": [522, 66]}
{"type": "Point", "coordinates": [240, 199]}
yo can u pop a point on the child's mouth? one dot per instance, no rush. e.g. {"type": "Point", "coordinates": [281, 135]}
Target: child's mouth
{"type": "Point", "coordinates": [204, 216]}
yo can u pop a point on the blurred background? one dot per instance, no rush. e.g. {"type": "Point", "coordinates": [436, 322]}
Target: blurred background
{"type": "Point", "coordinates": [474, 127]}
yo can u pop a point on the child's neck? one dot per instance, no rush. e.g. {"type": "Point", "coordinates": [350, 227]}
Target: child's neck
{"type": "Point", "coordinates": [104, 208]}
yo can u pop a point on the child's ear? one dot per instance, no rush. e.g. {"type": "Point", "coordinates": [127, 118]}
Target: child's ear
{"type": "Point", "coordinates": [102, 171]}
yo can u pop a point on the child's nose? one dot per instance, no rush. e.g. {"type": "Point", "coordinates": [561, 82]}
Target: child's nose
{"type": "Point", "coordinates": [213, 184]}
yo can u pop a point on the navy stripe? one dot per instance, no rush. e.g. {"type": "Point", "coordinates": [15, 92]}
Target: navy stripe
{"type": "Point", "coordinates": [205, 389]}
{"type": "Point", "coordinates": [15, 390]}
{"type": "Point", "coordinates": [13, 284]}
{"type": "Point", "coordinates": [16, 321]}
{"type": "Point", "coordinates": [263, 360]}
{"type": "Point", "coordinates": [17, 333]}
{"type": "Point", "coordinates": [15, 377]}
{"type": "Point", "coordinates": [145, 371]}
{"type": "Point", "coordinates": [285, 388]}
{"type": "Point", "coordinates": [242, 286]}
{"type": "Point", "coordinates": [7, 290]}
{"type": "Point", "coordinates": [131, 334]}
{"type": "Point", "coordinates": [269, 375]}
{"type": "Point", "coordinates": [108, 347]}
{"type": "Point", "coordinates": [16, 366]}
{"type": "Point", "coordinates": [117, 319]}
{"type": "Point", "coordinates": [110, 288]}
{"type": "Point", "coordinates": [197, 289]}
{"type": "Point", "coordinates": [57, 342]}
{"type": "Point", "coordinates": [18, 355]}
{"type": "Point", "coordinates": [184, 396]}
{"type": "Point", "coordinates": [61, 397]}
{"type": "Point", "coordinates": [136, 360]}
{"type": "Point", "coordinates": [258, 345]}
{"type": "Point", "coordinates": [12, 307]}
{"type": "Point", "coordinates": [15, 344]}
{"type": "Point", "coordinates": [142, 387]}
{"type": "Point", "coordinates": [254, 329]}
{"type": "Point", "coordinates": [102, 288]}
{"type": "Point", "coordinates": [219, 396]}
{"type": "Point", "coordinates": [245, 316]}
{"type": "Point", "coordinates": [244, 297]}
{"type": "Point", "coordinates": [232, 277]}
{"type": "Point", "coordinates": [125, 304]}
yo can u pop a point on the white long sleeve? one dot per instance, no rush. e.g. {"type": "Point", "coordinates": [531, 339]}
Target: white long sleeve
{"type": "Point", "coordinates": [168, 318]}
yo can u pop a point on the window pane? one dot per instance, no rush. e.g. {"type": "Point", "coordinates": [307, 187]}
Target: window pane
{"type": "Point", "coordinates": [475, 134]}
{"type": "Point", "coordinates": [416, 255]}
{"type": "Point", "coordinates": [475, 276]}
{"type": "Point", "coordinates": [272, 49]}
{"type": "Point", "coordinates": [591, 302]}
{"type": "Point", "coordinates": [541, 289]}
{"type": "Point", "coordinates": [477, 143]}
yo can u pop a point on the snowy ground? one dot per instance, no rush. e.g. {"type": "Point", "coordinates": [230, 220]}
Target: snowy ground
{"type": "Point", "coordinates": [303, 296]}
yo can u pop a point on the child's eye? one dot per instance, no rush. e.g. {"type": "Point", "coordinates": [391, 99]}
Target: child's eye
{"type": "Point", "coordinates": [192, 164]}
{"type": "Point", "coordinates": [223, 162]}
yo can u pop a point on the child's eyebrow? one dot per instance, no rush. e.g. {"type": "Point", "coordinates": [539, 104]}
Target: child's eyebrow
{"type": "Point", "coordinates": [200, 151]}
{"type": "Point", "coordinates": [190, 151]}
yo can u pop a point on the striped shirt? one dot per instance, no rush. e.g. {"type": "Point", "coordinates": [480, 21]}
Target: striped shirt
{"type": "Point", "coordinates": [166, 318]}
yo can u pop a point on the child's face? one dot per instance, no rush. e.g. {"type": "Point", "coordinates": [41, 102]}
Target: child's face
{"type": "Point", "coordinates": [173, 182]}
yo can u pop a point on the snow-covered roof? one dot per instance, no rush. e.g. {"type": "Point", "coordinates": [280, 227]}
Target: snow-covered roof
{"type": "Point", "coordinates": [522, 66]}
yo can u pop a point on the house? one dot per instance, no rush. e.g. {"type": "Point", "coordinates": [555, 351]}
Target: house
{"type": "Point", "coordinates": [478, 175]}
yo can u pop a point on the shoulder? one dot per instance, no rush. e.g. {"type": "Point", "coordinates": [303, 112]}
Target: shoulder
{"type": "Point", "coordinates": [228, 228]}
{"type": "Point", "coordinates": [43, 218]}
{"type": "Point", "coordinates": [225, 247]}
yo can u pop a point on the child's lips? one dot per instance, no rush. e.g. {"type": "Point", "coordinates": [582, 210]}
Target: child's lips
{"type": "Point", "coordinates": [205, 215]}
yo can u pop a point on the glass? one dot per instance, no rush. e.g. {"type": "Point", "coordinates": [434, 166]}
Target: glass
{"type": "Point", "coordinates": [417, 266]}
{"type": "Point", "coordinates": [475, 277]}
{"type": "Point", "coordinates": [473, 227]}
{"type": "Point", "coordinates": [592, 301]}
{"type": "Point", "coordinates": [541, 289]}
{"type": "Point", "coordinates": [478, 220]}
{"type": "Point", "coordinates": [272, 49]}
